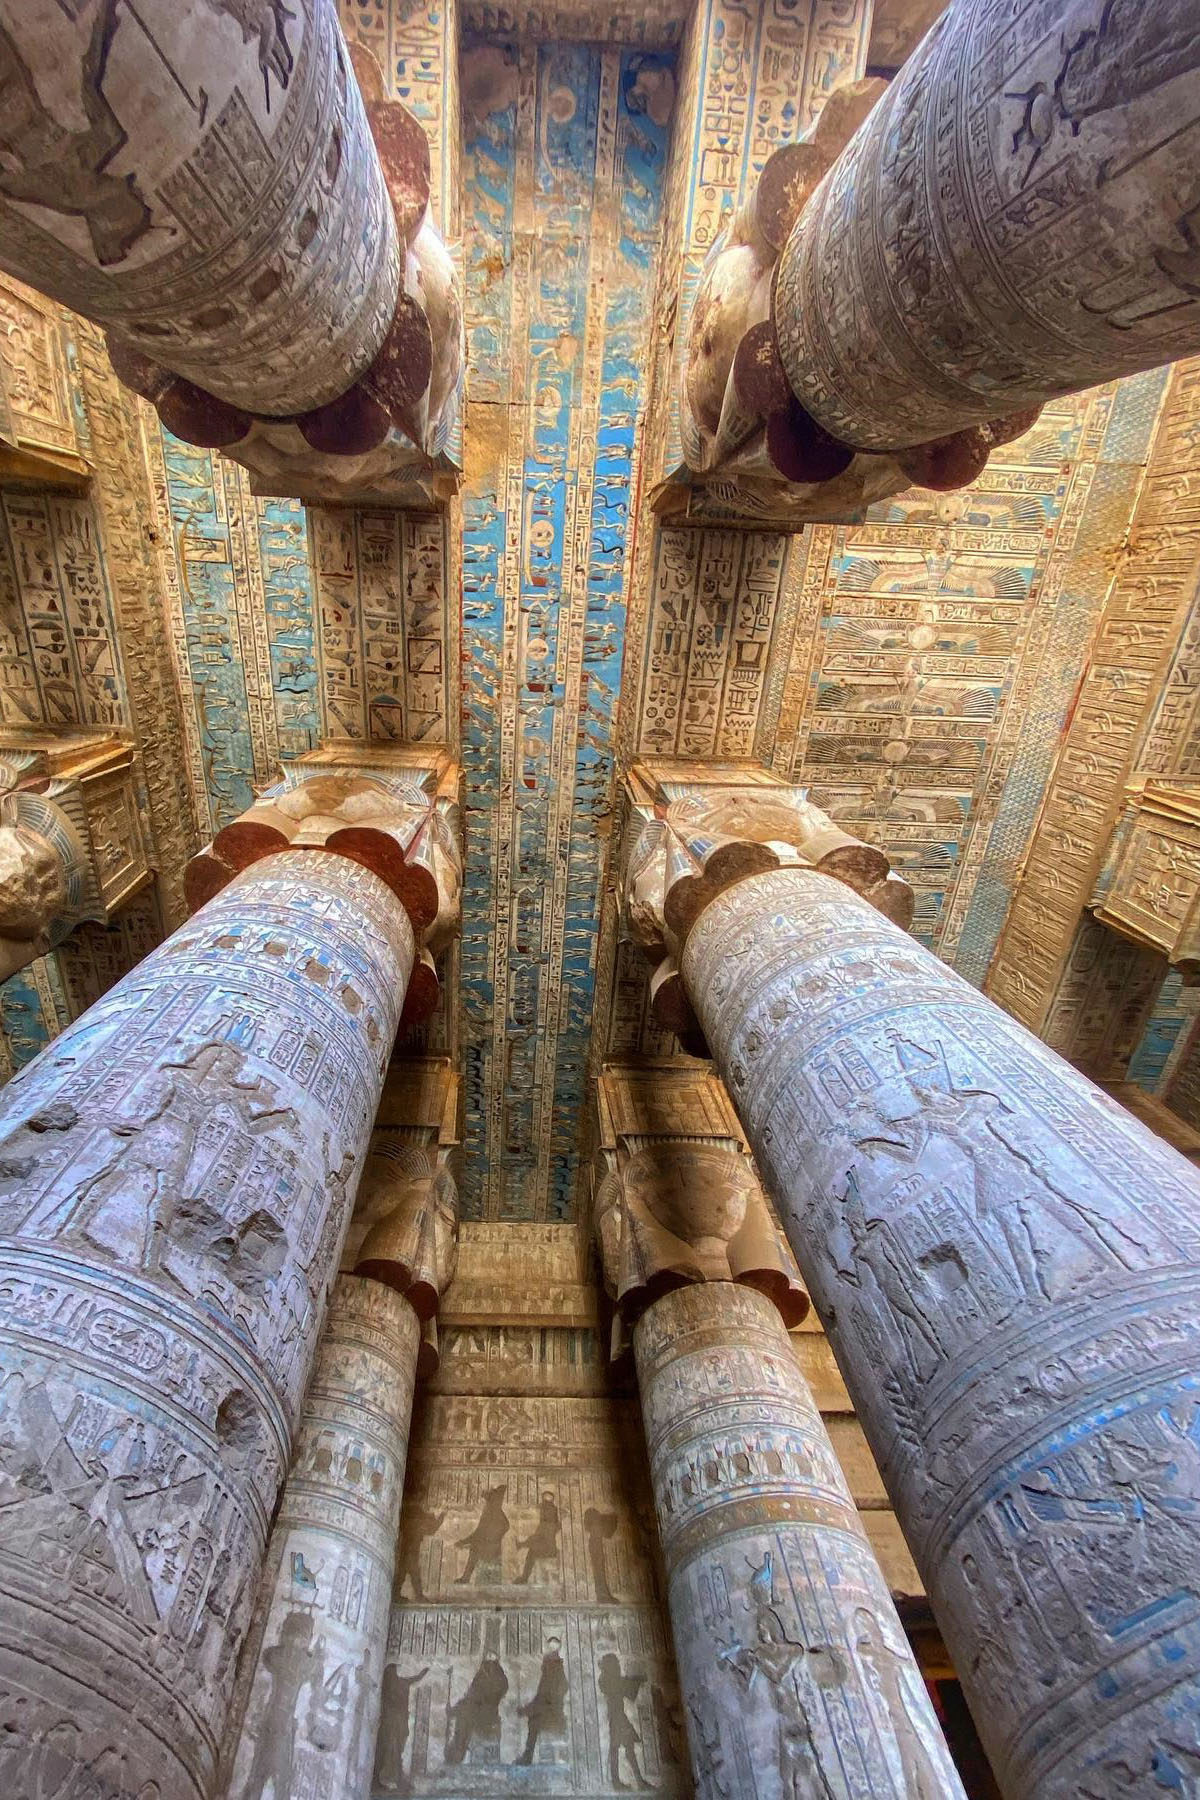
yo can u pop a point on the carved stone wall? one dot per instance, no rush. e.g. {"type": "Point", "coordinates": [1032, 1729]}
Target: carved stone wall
{"type": "Point", "coordinates": [176, 1174]}
{"type": "Point", "coordinates": [1005, 1263]}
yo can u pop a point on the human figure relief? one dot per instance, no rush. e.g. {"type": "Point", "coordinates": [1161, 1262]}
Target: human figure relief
{"type": "Point", "coordinates": [394, 1718]}
{"type": "Point", "coordinates": [45, 162]}
{"type": "Point", "coordinates": [542, 1543]}
{"type": "Point", "coordinates": [291, 1663]}
{"type": "Point", "coordinates": [417, 1523]}
{"type": "Point", "coordinates": [127, 1207]}
{"type": "Point", "coordinates": [600, 1528]}
{"type": "Point", "coordinates": [926, 1773]}
{"type": "Point", "coordinates": [476, 1714]}
{"type": "Point", "coordinates": [617, 1690]}
{"type": "Point", "coordinates": [545, 1712]}
{"type": "Point", "coordinates": [485, 1542]}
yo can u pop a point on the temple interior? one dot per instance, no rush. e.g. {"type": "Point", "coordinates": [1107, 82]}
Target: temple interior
{"type": "Point", "coordinates": [599, 740]}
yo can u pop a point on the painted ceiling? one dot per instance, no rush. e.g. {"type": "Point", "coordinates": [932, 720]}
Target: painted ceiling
{"type": "Point", "coordinates": [918, 671]}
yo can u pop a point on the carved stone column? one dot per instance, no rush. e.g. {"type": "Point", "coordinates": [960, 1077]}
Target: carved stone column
{"type": "Point", "coordinates": [314, 1672]}
{"type": "Point", "coordinates": [176, 1172]}
{"type": "Point", "coordinates": [1005, 1262]}
{"type": "Point", "coordinates": [795, 1672]}
{"type": "Point", "coordinates": [71, 845]}
{"type": "Point", "coordinates": [203, 182]}
{"type": "Point", "coordinates": [1018, 219]}
{"type": "Point", "coordinates": [391, 808]}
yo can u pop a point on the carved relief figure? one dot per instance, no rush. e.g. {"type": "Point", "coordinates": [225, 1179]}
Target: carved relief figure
{"type": "Point", "coordinates": [600, 1528]}
{"type": "Point", "coordinates": [291, 1664]}
{"type": "Point", "coordinates": [484, 1544]}
{"type": "Point", "coordinates": [617, 1690]}
{"type": "Point", "coordinates": [477, 1713]}
{"type": "Point", "coordinates": [888, 1674]}
{"type": "Point", "coordinates": [47, 163]}
{"type": "Point", "coordinates": [542, 1544]}
{"type": "Point", "coordinates": [545, 1712]}
{"type": "Point", "coordinates": [394, 1714]}
{"type": "Point", "coordinates": [417, 1523]}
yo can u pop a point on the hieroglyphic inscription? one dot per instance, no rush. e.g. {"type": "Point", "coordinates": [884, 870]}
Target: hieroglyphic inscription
{"type": "Point", "coordinates": [960, 260]}
{"type": "Point", "coordinates": [1139, 630]}
{"type": "Point", "coordinates": [176, 1172]}
{"type": "Point", "coordinates": [1005, 1263]}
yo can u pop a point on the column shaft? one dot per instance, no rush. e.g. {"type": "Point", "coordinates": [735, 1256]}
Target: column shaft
{"type": "Point", "coordinates": [310, 1687]}
{"type": "Point", "coordinates": [1006, 1263]}
{"type": "Point", "coordinates": [201, 179]}
{"type": "Point", "coordinates": [795, 1671]}
{"type": "Point", "coordinates": [176, 1171]}
{"type": "Point", "coordinates": [1019, 218]}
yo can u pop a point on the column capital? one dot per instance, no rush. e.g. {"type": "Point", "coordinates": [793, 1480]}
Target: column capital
{"type": "Point", "coordinates": [392, 808]}
{"type": "Point", "coordinates": [71, 845]}
{"type": "Point", "coordinates": [404, 1232]}
{"type": "Point", "coordinates": [675, 1196]}
{"type": "Point", "coordinates": [694, 829]}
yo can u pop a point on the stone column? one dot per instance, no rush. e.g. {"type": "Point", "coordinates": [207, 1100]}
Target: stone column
{"type": "Point", "coordinates": [795, 1672]}
{"type": "Point", "coordinates": [1018, 219]}
{"type": "Point", "coordinates": [794, 1668]}
{"type": "Point", "coordinates": [314, 1672]}
{"type": "Point", "coordinates": [201, 180]}
{"type": "Point", "coordinates": [176, 1172]}
{"type": "Point", "coordinates": [1005, 1262]}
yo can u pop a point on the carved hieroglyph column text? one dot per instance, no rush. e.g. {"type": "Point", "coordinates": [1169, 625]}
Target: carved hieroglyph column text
{"type": "Point", "coordinates": [793, 1664]}
{"type": "Point", "coordinates": [312, 1679]}
{"type": "Point", "coordinates": [200, 178]}
{"type": "Point", "coordinates": [1006, 1263]}
{"type": "Point", "coordinates": [795, 1671]}
{"type": "Point", "coordinates": [1019, 218]}
{"type": "Point", "coordinates": [176, 1174]}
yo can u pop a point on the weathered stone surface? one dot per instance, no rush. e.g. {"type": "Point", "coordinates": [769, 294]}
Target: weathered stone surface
{"type": "Point", "coordinates": [176, 1173]}
{"type": "Point", "coordinates": [795, 1671]}
{"type": "Point", "coordinates": [310, 1691]}
{"type": "Point", "coordinates": [1018, 219]}
{"type": "Point", "coordinates": [1005, 1262]}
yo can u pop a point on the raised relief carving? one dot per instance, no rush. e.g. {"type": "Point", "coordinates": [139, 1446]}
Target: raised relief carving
{"type": "Point", "coordinates": [168, 1171]}
{"type": "Point", "coordinates": [314, 1672]}
{"type": "Point", "coordinates": [393, 810]}
{"type": "Point", "coordinates": [1003, 1259]}
{"type": "Point", "coordinates": [914, 297]}
{"type": "Point", "coordinates": [783, 1621]}
{"type": "Point", "coordinates": [246, 241]}
{"type": "Point", "coordinates": [70, 842]}
{"type": "Point", "coordinates": [695, 830]}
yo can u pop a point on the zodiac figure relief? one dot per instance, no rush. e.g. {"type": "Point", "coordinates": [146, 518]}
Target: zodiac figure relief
{"type": "Point", "coordinates": [475, 1715]}
{"type": "Point", "coordinates": [545, 1714]}
{"type": "Point", "coordinates": [394, 1723]}
{"type": "Point", "coordinates": [617, 1689]}
{"type": "Point", "coordinates": [485, 1543]}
